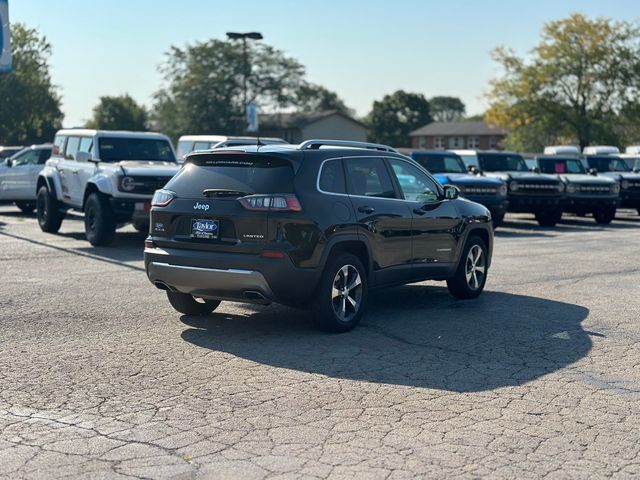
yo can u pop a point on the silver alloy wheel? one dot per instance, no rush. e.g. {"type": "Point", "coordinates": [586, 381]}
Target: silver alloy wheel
{"type": "Point", "coordinates": [346, 293]}
{"type": "Point", "coordinates": [475, 267]}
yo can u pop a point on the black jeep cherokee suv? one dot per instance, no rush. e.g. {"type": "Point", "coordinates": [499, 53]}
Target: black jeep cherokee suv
{"type": "Point", "coordinates": [319, 225]}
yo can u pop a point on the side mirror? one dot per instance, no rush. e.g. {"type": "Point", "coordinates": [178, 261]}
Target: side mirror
{"type": "Point", "coordinates": [535, 169]}
{"type": "Point", "coordinates": [593, 171]}
{"type": "Point", "coordinates": [474, 170]}
{"type": "Point", "coordinates": [451, 192]}
{"type": "Point", "coordinates": [83, 157]}
{"type": "Point", "coordinates": [9, 162]}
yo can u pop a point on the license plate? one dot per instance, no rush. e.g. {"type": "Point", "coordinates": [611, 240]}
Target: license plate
{"type": "Point", "coordinates": [206, 229]}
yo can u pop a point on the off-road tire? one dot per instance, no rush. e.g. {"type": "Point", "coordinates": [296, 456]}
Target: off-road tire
{"type": "Point", "coordinates": [604, 216]}
{"type": "Point", "coordinates": [48, 212]}
{"type": "Point", "coordinates": [548, 218]}
{"type": "Point", "coordinates": [187, 304]}
{"type": "Point", "coordinates": [333, 304]}
{"type": "Point", "coordinates": [461, 286]}
{"type": "Point", "coordinates": [99, 220]}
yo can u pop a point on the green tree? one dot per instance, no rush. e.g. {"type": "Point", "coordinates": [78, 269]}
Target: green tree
{"type": "Point", "coordinates": [29, 102]}
{"type": "Point", "coordinates": [311, 97]}
{"type": "Point", "coordinates": [396, 115]}
{"type": "Point", "coordinates": [446, 109]}
{"type": "Point", "coordinates": [118, 113]}
{"type": "Point", "coordinates": [203, 86]}
{"type": "Point", "coordinates": [572, 87]}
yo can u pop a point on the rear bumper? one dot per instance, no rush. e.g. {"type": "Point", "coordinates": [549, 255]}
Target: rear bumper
{"type": "Point", "coordinates": [232, 284]}
{"type": "Point", "coordinates": [532, 204]}
{"type": "Point", "coordinates": [230, 276]}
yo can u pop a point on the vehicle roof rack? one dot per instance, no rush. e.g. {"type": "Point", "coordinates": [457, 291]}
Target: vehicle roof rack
{"type": "Point", "coordinates": [316, 144]}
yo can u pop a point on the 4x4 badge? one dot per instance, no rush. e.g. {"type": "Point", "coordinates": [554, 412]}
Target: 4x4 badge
{"type": "Point", "coordinates": [201, 206]}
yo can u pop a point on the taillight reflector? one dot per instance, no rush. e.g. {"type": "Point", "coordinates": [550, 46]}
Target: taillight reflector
{"type": "Point", "coordinates": [274, 202]}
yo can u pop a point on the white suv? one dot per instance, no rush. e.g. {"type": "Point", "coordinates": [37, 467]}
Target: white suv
{"type": "Point", "coordinates": [191, 143]}
{"type": "Point", "coordinates": [110, 176]}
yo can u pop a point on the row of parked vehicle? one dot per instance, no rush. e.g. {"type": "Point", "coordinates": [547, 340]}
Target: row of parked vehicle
{"type": "Point", "coordinates": [317, 224]}
{"type": "Point", "coordinates": [548, 185]}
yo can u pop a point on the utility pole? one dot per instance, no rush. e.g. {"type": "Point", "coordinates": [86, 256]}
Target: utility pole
{"type": "Point", "coordinates": [245, 61]}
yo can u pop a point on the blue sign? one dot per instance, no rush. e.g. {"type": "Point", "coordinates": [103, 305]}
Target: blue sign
{"type": "Point", "coordinates": [252, 117]}
{"type": "Point", "coordinates": [5, 38]}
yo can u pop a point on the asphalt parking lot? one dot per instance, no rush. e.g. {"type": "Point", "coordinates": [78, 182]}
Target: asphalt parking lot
{"type": "Point", "coordinates": [538, 378]}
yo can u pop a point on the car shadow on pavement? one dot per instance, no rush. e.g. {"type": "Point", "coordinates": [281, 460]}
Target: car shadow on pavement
{"type": "Point", "coordinates": [126, 247]}
{"type": "Point", "coordinates": [414, 335]}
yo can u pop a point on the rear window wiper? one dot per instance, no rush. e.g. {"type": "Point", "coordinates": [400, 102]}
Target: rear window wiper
{"type": "Point", "coordinates": [223, 192]}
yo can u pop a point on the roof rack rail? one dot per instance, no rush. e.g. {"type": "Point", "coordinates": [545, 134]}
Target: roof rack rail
{"type": "Point", "coordinates": [316, 144]}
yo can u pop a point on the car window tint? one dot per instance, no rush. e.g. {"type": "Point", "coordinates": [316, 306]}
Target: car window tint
{"type": "Point", "coordinates": [332, 177]}
{"type": "Point", "coordinates": [85, 144]}
{"type": "Point", "coordinates": [184, 147]}
{"type": "Point", "coordinates": [72, 148]}
{"type": "Point", "coordinates": [115, 149]}
{"type": "Point", "coordinates": [28, 158]}
{"type": "Point", "coordinates": [45, 154]}
{"type": "Point", "coordinates": [369, 177]}
{"type": "Point", "coordinates": [201, 146]}
{"type": "Point", "coordinates": [415, 185]}
{"type": "Point", "coordinates": [58, 145]}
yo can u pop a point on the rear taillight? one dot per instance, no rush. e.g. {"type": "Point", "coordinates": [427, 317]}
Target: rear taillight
{"type": "Point", "coordinates": [274, 202]}
{"type": "Point", "coordinates": [162, 198]}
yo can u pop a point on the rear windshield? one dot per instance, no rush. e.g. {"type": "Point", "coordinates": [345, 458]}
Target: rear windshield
{"type": "Point", "coordinates": [501, 162]}
{"type": "Point", "coordinates": [440, 163]}
{"type": "Point", "coordinates": [244, 173]}
{"type": "Point", "coordinates": [608, 164]}
{"type": "Point", "coordinates": [561, 165]}
{"type": "Point", "coordinates": [116, 149]}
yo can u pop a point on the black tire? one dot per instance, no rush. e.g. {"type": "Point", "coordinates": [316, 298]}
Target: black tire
{"type": "Point", "coordinates": [327, 308]}
{"type": "Point", "coordinates": [48, 212]}
{"type": "Point", "coordinates": [463, 286]}
{"type": "Point", "coordinates": [187, 304]}
{"type": "Point", "coordinates": [604, 216]}
{"type": "Point", "coordinates": [26, 207]}
{"type": "Point", "coordinates": [99, 221]}
{"type": "Point", "coordinates": [549, 218]}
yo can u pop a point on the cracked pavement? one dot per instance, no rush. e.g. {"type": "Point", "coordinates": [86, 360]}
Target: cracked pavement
{"type": "Point", "coordinates": [539, 377]}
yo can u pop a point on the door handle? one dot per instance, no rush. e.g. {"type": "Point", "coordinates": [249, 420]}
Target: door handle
{"type": "Point", "coordinates": [366, 210]}
{"type": "Point", "coordinates": [419, 211]}
{"type": "Point", "coordinates": [75, 172]}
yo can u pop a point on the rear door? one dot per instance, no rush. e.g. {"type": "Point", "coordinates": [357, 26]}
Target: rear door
{"type": "Point", "coordinates": [383, 218]}
{"type": "Point", "coordinates": [435, 219]}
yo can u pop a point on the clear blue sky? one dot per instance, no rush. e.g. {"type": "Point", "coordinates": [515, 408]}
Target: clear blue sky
{"type": "Point", "coordinates": [361, 49]}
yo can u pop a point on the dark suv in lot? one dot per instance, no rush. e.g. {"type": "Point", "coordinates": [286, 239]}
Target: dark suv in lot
{"type": "Point", "coordinates": [529, 191]}
{"type": "Point", "coordinates": [615, 167]}
{"type": "Point", "coordinates": [317, 225]}
{"type": "Point", "coordinates": [449, 169]}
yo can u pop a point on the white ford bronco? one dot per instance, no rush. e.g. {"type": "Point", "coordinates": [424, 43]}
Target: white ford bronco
{"type": "Point", "coordinates": [109, 175]}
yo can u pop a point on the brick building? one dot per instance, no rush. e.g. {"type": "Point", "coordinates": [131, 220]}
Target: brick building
{"type": "Point", "coordinates": [460, 135]}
